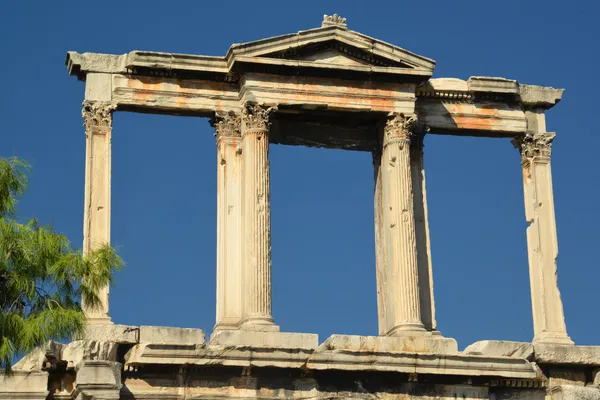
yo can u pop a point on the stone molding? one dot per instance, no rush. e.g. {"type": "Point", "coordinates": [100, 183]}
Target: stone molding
{"type": "Point", "coordinates": [227, 126]}
{"type": "Point", "coordinates": [98, 117]}
{"type": "Point", "coordinates": [255, 118]}
{"type": "Point", "coordinates": [533, 145]}
{"type": "Point", "coordinates": [398, 129]}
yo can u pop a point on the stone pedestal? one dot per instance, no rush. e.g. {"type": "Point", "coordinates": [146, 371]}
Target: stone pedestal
{"type": "Point", "coordinates": [98, 380]}
{"type": "Point", "coordinates": [542, 244]}
{"type": "Point", "coordinates": [401, 273]}
{"type": "Point", "coordinates": [229, 221]}
{"type": "Point", "coordinates": [96, 227]}
{"type": "Point", "coordinates": [256, 249]}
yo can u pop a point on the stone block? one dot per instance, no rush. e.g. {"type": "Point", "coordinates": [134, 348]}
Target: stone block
{"type": "Point", "coordinates": [565, 376]}
{"type": "Point", "coordinates": [540, 96]}
{"type": "Point", "coordinates": [274, 340]}
{"type": "Point", "coordinates": [569, 392]}
{"type": "Point", "coordinates": [493, 85]}
{"type": "Point", "coordinates": [98, 87]}
{"type": "Point", "coordinates": [122, 334]}
{"type": "Point", "coordinates": [24, 385]}
{"type": "Point", "coordinates": [395, 344]}
{"type": "Point", "coordinates": [98, 380]}
{"type": "Point", "coordinates": [34, 361]}
{"type": "Point", "coordinates": [500, 348]}
{"type": "Point", "coordinates": [564, 354]}
{"type": "Point", "coordinates": [167, 335]}
{"type": "Point", "coordinates": [79, 350]}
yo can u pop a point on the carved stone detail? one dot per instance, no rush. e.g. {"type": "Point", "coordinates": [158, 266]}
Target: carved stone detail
{"type": "Point", "coordinates": [227, 125]}
{"type": "Point", "coordinates": [333, 20]}
{"type": "Point", "coordinates": [256, 118]}
{"type": "Point", "coordinates": [399, 128]}
{"type": "Point", "coordinates": [98, 117]}
{"type": "Point", "coordinates": [535, 144]}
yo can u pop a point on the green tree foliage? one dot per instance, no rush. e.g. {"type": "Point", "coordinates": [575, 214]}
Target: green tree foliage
{"type": "Point", "coordinates": [42, 279]}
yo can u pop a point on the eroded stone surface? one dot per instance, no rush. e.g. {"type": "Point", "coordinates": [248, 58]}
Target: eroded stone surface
{"type": "Point", "coordinates": [168, 335]}
{"type": "Point", "coordinates": [24, 385]}
{"type": "Point", "coordinates": [501, 348]}
{"type": "Point", "coordinates": [382, 344]}
{"type": "Point", "coordinates": [556, 354]}
{"type": "Point", "coordinates": [123, 334]}
{"type": "Point", "coordinates": [569, 392]}
{"type": "Point", "coordinates": [275, 340]}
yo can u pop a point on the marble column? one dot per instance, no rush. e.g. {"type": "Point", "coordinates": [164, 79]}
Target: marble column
{"type": "Point", "coordinates": [548, 315]}
{"type": "Point", "coordinates": [229, 221]}
{"type": "Point", "coordinates": [96, 216]}
{"type": "Point", "coordinates": [427, 303]}
{"type": "Point", "coordinates": [257, 219]}
{"type": "Point", "coordinates": [379, 247]}
{"type": "Point", "coordinates": [398, 230]}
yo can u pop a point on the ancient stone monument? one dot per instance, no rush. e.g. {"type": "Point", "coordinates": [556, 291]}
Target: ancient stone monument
{"type": "Point", "coordinates": [335, 88]}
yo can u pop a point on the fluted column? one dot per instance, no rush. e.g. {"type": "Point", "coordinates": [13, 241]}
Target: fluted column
{"type": "Point", "coordinates": [548, 315]}
{"type": "Point", "coordinates": [382, 316]}
{"type": "Point", "coordinates": [96, 216]}
{"type": "Point", "coordinates": [257, 219]}
{"type": "Point", "coordinates": [422, 229]}
{"type": "Point", "coordinates": [229, 221]}
{"type": "Point", "coordinates": [401, 269]}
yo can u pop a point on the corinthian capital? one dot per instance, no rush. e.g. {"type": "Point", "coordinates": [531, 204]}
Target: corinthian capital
{"type": "Point", "coordinates": [256, 118]}
{"type": "Point", "coordinates": [227, 125]}
{"type": "Point", "coordinates": [535, 144]}
{"type": "Point", "coordinates": [399, 128]}
{"type": "Point", "coordinates": [98, 117]}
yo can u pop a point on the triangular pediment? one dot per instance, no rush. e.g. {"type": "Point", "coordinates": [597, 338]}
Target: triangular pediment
{"type": "Point", "coordinates": [331, 47]}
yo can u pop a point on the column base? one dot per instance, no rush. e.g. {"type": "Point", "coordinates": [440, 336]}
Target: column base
{"type": "Point", "coordinates": [259, 324]}
{"type": "Point", "coordinates": [408, 329]}
{"type": "Point", "coordinates": [553, 338]}
{"type": "Point", "coordinates": [227, 325]}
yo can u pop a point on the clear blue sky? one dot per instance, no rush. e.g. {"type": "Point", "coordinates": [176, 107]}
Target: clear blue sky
{"type": "Point", "coordinates": [164, 168]}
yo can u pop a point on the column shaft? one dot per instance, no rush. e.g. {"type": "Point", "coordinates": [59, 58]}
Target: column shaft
{"type": "Point", "coordinates": [257, 220]}
{"type": "Point", "coordinates": [422, 233]}
{"type": "Point", "coordinates": [401, 276]}
{"type": "Point", "coordinates": [548, 315]}
{"type": "Point", "coordinates": [379, 247]}
{"type": "Point", "coordinates": [229, 222]}
{"type": "Point", "coordinates": [96, 225]}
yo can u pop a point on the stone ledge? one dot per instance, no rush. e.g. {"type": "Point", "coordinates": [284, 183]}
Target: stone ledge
{"type": "Point", "coordinates": [24, 385]}
{"type": "Point", "coordinates": [564, 354]}
{"type": "Point", "coordinates": [391, 344]}
{"type": "Point", "coordinates": [168, 335]}
{"type": "Point", "coordinates": [422, 363]}
{"type": "Point", "coordinates": [500, 348]}
{"type": "Point", "coordinates": [261, 339]}
{"type": "Point", "coordinates": [122, 334]}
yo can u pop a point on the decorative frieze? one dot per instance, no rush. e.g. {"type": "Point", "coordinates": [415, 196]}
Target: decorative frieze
{"type": "Point", "coordinates": [535, 144]}
{"type": "Point", "coordinates": [98, 117]}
